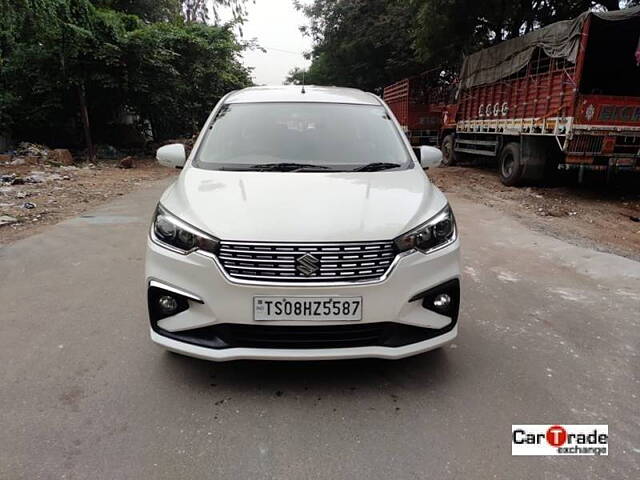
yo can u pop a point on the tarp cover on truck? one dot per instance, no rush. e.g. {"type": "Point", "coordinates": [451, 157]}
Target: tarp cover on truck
{"type": "Point", "coordinates": [558, 40]}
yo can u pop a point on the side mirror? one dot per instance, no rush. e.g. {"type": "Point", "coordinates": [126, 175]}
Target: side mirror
{"type": "Point", "coordinates": [429, 156]}
{"type": "Point", "coordinates": [172, 155]}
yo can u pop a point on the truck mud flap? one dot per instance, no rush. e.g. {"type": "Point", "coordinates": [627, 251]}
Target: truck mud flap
{"type": "Point", "coordinates": [534, 153]}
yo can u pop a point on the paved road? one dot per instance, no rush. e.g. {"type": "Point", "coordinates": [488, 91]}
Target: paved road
{"type": "Point", "coordinates": [549, 333]}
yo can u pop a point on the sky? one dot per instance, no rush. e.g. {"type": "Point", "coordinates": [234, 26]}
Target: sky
{"type": "Point", "coordinates": [274, 23]}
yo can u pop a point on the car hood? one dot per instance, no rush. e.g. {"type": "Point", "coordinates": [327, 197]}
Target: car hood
{"type": "Point", "coordinates": [303, 206]}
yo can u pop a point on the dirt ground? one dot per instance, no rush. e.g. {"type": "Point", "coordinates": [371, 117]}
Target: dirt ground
{"type": "Point", "coordinates": [46, 194]}
{"type": "Point", "coordinates": [591, 214]}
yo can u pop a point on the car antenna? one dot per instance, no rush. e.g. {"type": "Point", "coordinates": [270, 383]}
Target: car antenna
{"type": "Point", "coordinates": [303, 90]}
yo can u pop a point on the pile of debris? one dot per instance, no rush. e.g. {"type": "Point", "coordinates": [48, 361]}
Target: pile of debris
{"type": "Point", "coordinates": [33, 177]}
{"type": "Point", "coordinates": [15, 188]}
{"type": "Point", "coordinates": [34, 154]}
{"type": "Point", "coordinates": [41, 191]}
{"type": "Point", "coordinates": [41, 185]}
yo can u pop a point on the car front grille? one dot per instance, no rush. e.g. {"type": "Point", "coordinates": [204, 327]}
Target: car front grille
{"type": "Point", "coordinates": [308, 262]}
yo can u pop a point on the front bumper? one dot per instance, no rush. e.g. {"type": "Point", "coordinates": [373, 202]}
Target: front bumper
{"type": "Point", "coordinates": [220, 301]}
{"type": "Point", "coordinates": [389, 353]}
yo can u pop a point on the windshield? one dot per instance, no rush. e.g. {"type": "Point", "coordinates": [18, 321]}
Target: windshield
{"type": "Point", "coordinates": [302, 137]}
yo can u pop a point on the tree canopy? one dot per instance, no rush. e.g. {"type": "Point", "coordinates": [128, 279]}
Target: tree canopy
{"type": "Point", "coordinates": [371, 43]}
{"type": "Point", "coordinates": [72, 68]}
{"type": "Point", "coordinates": [363, 43]}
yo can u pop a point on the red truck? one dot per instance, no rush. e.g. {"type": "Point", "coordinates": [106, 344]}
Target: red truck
{"type": "Point", "coordinates": [563, 96]}
{"type": "Point", "coordinates": [418, 103]}
{"type": "Point", "coordinates": [567, 94]}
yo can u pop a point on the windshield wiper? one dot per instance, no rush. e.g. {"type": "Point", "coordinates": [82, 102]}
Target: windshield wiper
{"type": "Point", "coordinates": [285, 167]}
{"type": "Point", "coordinates": [376, 166]}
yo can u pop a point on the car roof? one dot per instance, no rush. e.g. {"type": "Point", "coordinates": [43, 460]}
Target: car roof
{"type": "Point", "coordinates": [293, 93]}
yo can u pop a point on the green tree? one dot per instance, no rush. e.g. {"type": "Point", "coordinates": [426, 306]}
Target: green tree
{"type": "Point", "coordinates": [44, 64]}
{"type": "Point", "coordinates": [177, 73]}
{"type": "Point", "coordinates": [69, 70]}
{"type": "Point", "coordinates": [360, 43]}
{"type": "Point", "coordinates": [204, 10]}
{"type": "Point", "coordinates": [169, 10]}
{"type": "Point", "coordinates": [148, 10]}
{"type": "Point", "coordinates": [296, 76]}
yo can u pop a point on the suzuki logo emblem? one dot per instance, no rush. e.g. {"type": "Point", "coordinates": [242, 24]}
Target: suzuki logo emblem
{"type": "Point", "coordinates": [307, 264]}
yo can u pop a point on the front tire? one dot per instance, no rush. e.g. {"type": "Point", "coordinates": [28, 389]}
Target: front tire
{"type": "Point", "coordinates": [511, 165]}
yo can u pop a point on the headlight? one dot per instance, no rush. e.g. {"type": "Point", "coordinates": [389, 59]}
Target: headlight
{"type": "Point", "coordinates": [179, 236]}
{"type": "Point", "coordinates": [432, 235]}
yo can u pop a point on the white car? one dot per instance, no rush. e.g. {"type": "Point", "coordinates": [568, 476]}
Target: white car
{"type": "Point", "coordinates": [302, 227]}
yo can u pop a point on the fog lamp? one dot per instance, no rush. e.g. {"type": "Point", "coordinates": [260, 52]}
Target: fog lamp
{"type": "Point", "coordinates": [442, 301]}
{"type": "Point", "coordinates": [168, 305]}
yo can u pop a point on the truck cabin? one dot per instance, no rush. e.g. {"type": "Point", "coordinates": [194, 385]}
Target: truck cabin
{"type": "Point", "coordinates": [612, 58]}
{"type": "Point", "coordinates": [607, 130]}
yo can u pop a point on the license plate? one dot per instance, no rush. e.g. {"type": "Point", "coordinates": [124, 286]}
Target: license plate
{"type": "Point", "coordinates": [307, 308]}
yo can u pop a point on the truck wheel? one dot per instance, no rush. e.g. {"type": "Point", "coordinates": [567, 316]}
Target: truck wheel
{"type": "Point", "coordinates": [448, 155]}
{"type": "Point", "coordinates": [511, 166]}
